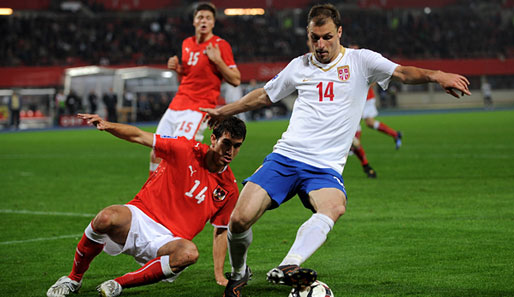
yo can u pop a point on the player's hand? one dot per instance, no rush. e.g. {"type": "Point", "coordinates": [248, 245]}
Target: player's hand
{"type": "Point", "coordinates": [94, 119]}
{"type": "Point", "coordinates": [213, 53]}
{"type": "Point", "coordinates": [213, 117]}
{"type": "Point", "coordinates": [453, 83]}
{"type": "Point", "coordinates": [173, 64]}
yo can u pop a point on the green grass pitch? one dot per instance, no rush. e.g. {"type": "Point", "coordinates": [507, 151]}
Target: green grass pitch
{"type": "Point", "coordinates": [438, 221]}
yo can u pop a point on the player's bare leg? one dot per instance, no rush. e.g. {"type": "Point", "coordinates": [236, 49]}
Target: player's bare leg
{"type": "Point", "coordinates": [359, 152]}
{"type": "Point", "coordinates": [379, 126]}
{"type": "Point", "coordinates": [172, 259]}
{"type": "Point", "coordinates": [253, 202]}
{"type": "Point", "coordinates": [114, 220]}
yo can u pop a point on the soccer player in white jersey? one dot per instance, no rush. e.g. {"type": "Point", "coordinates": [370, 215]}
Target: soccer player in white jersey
{"type": "Point", "coordinates": [332, 83]}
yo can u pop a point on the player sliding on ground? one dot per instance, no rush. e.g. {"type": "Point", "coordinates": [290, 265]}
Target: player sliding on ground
{"type": "Point", "coordinates": [192, 185]}
{"type": "Point", "coordinates": [332, 83]}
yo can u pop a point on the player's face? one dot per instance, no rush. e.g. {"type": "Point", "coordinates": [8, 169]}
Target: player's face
{"type": "Point", "coordinates": [204, 22]}
{"type": "Point", "coordinates": [324, 41]}
{"type": "Point", "coordinates": [226, 148]}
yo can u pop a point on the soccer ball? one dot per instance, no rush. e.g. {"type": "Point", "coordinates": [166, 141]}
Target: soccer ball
{"type": "Point", "coordinates": [317, 289]}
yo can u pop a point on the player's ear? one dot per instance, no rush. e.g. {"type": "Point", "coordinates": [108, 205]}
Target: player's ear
{"type": "Point", "coordinates": [213, 139]}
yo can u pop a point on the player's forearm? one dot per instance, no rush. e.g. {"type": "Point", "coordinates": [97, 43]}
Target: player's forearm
{"type": "Point", "coordinates": [251, 101]}
{"type": "Point", "coordinates": [230, 75]}
{"type": "Point", "coordinates": [130, 133]}
{"type": "Point", "coordinates": [219, 250]}
{"type": "Point", "coordinates": [414, 75]}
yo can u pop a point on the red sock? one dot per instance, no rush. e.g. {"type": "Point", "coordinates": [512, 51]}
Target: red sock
{"type": "Point", "coordinates": [86, 251]}
{"type": "Point", "coordinates": [358, 135]}
{"type": "Point", "coordinates": [359, 152]}
{"type": "Point", "coordinates": [150, 273]}
{"type": "Point", "coordinates": [387, 130]}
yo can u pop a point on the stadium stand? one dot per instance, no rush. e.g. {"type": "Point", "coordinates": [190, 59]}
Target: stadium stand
{"type": "Point", "coordinates": [43, 39]}
{"type": "Point", "coordinates": [105, 37]}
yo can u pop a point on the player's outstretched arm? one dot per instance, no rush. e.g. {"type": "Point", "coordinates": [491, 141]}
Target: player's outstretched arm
{"type": "Point", "coordinates": [253, 100]}
{"type": "Point", "coordinates": [219, 250]}
{"type": "Point", "coordinates": [450, 82]}
{"type": "Point", "coordinates": [127, 132]}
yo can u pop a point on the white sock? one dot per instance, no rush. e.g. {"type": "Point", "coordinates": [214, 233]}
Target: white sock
{"type": "Point", "coordinates": [166, 270]}
{"type": "Point", "coordinates": [94, 236]}
{"type": "Point", "coordinates": [376, 124]}
{"type": "Point", "coordinates": [238, 244]}
{"type": "Point", "coordinates": [310, 236]}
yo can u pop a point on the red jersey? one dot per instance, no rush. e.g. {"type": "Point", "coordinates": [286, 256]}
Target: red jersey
{"type": "Point", "coordinates": [182, 194]}
{"type": "Point", "coordinates": [371, 94]}
{"type": "Point", "coordinates": [201, 80]}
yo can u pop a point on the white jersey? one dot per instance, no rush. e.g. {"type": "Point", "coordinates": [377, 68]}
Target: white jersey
{"type": "Point", "coordinates": [329, 106]}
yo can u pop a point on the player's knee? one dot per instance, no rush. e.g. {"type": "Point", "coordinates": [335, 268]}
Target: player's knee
{"type": "Point", "coordinates": [339, 210]}
{"type": "Point", "coordinates": [103, 221]}
{"type": "Point", "coordinates": [334, 211]}
{"type": "Point", "coordinates": [188, 254]}
{"type": "Point", "coordinates": [239, 223]}
{"type": "Point", "coordinates": [106, 219]}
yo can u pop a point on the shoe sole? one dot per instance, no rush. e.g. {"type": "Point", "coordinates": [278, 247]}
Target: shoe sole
{"type": "Point", "coordinates": [302, 278]}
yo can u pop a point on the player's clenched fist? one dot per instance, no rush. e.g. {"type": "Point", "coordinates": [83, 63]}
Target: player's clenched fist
{"type": "Point", "coordinates": [173, 63]}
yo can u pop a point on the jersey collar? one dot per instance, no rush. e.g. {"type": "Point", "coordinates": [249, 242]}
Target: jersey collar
{"type": "Point", "coordinates": [327, 67]}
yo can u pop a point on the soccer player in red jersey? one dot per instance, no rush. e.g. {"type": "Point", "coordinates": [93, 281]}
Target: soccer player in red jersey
{"type": "Point", "coordinates": [193, 185]}
{"type": "Point", "coordinates": [206, 60]}
{"type": "Point", "coordinates": [368, 115]}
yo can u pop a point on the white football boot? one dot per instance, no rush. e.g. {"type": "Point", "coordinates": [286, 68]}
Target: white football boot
{"type": "Point", "coordinates": [63, 287]}
{"type": "Point", "coordinates": [109, 288]}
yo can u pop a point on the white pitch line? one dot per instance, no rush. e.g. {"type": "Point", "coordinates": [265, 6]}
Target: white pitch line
{"type": "Point", "coordinates": [47, 213]}
{"type": "Point", "coordinates": [39, 239]}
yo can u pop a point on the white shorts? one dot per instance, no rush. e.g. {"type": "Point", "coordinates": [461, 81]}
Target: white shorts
{"type": "Point", "coordinates": [370, 109]}
{"type": "Point", "coordinates": [144, 239]}
{"type": "Point", "coordinates": [187, 123]}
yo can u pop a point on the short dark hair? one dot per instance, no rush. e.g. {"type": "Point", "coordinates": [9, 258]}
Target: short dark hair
{"type": "Point", "coordinates": [205, 6]}
{"type": "Point", "coordinates": [232, 125]}
{"type": "Point", "coordinates": [320, 13]}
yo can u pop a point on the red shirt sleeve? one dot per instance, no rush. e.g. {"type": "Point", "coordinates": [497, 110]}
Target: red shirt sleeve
{"type": "Point", "coordinates": [168, 148]}
{"type": "Point", "coordinates": [226, 53]}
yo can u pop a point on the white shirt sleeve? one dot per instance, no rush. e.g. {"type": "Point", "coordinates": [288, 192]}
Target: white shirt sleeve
{"type": "Point", "coordinates": [379, 68]}
{"type": "Point", "coordinates": [282, 84]}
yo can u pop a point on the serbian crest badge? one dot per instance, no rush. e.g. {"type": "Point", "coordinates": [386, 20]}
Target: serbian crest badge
{"type": "Point", "coordinates": [343, 72]}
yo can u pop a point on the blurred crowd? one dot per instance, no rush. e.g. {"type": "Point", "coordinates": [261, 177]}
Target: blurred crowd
{"type": "Point", "coordinates": [102, 38]}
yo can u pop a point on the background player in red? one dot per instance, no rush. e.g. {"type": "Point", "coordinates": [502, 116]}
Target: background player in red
{"type": "Point", "coordinates": [359, 152]}
{"type": "Point", "coordinates": [193, 185]}
{"type": "Point", "coordinates": [369, 114]}
{"type": "Point", "coordinates": [206, 60]}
